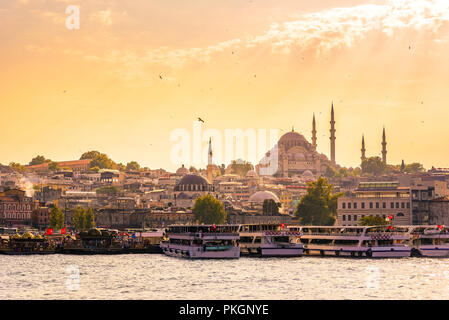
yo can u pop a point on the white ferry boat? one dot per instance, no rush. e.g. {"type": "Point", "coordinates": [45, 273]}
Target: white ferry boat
{"type": "Point", "coordinates": [269, 240]}
{"type": "Point", "coordinates": [201, 241]}
{"type": "Point", "coordinates": [354, 241]}
{"type": "Point", "coordinates": [429, 241]}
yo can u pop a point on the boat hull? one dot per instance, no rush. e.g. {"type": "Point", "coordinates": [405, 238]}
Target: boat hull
{"type": "Point", "coordinates": [357, 252]}
{"type": "Point", "coordinates": [441, 251]}
{"type": "Point", "coordinates": [198, 253]}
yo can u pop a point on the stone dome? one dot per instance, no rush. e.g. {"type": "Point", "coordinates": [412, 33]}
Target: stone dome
{"type": "Point", "coordinates": [261, 196]}
{"type": "Point", "coordinates": [292, 136]}
{"type": "Point", "coordinates": [193, 182]}
{"type": "Point", "coordinates": [251, 174]}
{"type": "Point", "coordinates": [182, 171]}
{"type": "Point", "coordinates": [307, 173]}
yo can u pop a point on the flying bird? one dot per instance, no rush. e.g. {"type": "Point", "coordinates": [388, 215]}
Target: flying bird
{"type": "Point", "coordinates": [199, 119]}
{"type": "Point", "coordinates": [160, 77]}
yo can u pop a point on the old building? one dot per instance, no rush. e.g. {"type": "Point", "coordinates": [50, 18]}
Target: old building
{"type": "Point", "coordinates": [15, 208]}
{"type": "Point", "coordinates": [378, 199]}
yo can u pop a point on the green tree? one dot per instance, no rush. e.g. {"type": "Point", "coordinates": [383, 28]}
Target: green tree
{"type": "Point", "coordinates": [372, 221]}
{"type": "Point", "coordinates": [56, 218]}
{"type": "Point", "coordinates": [241, 167]}
{"type": "Point", "coordinates": [414, 167]}
{"type": "Point", "coordinates": [17, 167]}
{"type": "Point", "coordinates": [133, 166]}
{"type": "Point", "coordinates": [38, 160]}
{"type": "Point", "coordinates": [102, 161]}
{"type": "Point", "coordinates": [209, 210]}
{"type": "Point", "coordinates": [121, 167]}
{"type": "Point", "coordinates": [319, 205]}
{"type": "Point", "coordinates": [108, 190]}
{"type": "Point", "coordinates": [53, 166]}
{"type": "Point", "coordinates": [374, 165]}
{"type": "Point", "coordinates": [89, 219]}
{"type": "Point", "coordinates": [89, 155]}
{"type": "Point", "coordinates": [79, 219]}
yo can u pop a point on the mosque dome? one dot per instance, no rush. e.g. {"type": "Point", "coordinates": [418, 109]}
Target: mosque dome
{"type": "Point", "coordinates": [261, 196]}
{"type": "Point", "coordinates": [251, 174]}
{"type": "Point", "coordinates": [292, 136]}
{"type": "Point", "coordinates": [193, 182]}
{"type": "Point", "coordinates": [182, 171]}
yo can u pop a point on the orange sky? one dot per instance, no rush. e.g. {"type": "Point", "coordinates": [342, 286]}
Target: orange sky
{"type": "Point", "coordinates": [255, 64]}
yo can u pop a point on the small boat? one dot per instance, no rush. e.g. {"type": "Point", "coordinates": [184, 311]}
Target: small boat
{"type": "Point", "coordinates": [269, 240]}
{"type": "Point", "coordinates": [201, 241]}
{"type": "Point", "coordinates": [94, 241]}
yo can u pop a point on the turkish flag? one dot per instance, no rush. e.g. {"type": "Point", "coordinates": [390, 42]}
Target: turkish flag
{"type": "Point", "coordinates": [64, 230]}
{"type": "Point", "coordinates": [440, 227]}
{"type": "Point", "coordinates": [49, 231]}
{"type": "Point", "coordinates": [390, 227]}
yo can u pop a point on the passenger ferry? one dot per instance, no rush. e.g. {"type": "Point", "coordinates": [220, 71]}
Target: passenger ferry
{"type": "Point", "coordinates": [201, 241]}
{"type": "Point", "coordinates": [26, 244]}
{"type": "Point", "coordinates": [94, 241]}
{"type": "Point", "coordinates": [429, 241]}
{"type": "Point", "coordinates": [269, 240]}
{"type": "Point", "coordinates": [354, 241]}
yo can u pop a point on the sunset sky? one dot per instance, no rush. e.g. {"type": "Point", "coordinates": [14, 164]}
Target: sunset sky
{"type": "Point", "coordinates": [257, 64]}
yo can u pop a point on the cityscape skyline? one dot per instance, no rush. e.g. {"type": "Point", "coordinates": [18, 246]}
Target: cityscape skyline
{"type": "Point", "coordinates": [275, 69]}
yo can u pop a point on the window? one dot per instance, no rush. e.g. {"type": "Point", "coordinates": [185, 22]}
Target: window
{"type": "Point", "coordinates": [377, 205]}
{"type": "Point", "coordinates": [400, 214]}
{"type": "Point", "coordinates": [370, 205]}
{"type": "Point", "coordinates": [408, 205]}
{"type": "Point", "coordinates": [343, 206]}
{"type": "Point", "coordinates": [384, 205]}
{"type": "Point", "coordinates": [355, 217]}
{"type": "Point", "coordinates": [402, 205]}
{"type": "Point", "coordinates": [349, 205]}
{"type": "Point", "coordinates": [397, 205]}
{"type": "Point", "coordinates": [349, 217]}
{"type": "Point", "coordinates": [344, 217]}
{"type": "Point", "coordinates": [363, 205]}
{"type": "Point", "coordinates": [355, 205]}
{"type": "Point", "coordinates": [392, 205]}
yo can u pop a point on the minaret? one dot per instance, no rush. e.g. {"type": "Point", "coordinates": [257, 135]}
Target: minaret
{"type": "Point", "coordinates": [314, 133]}
{"type": "Point", "coordinates": [332, 137]}
{"type": "Point", "coordinates": [384, 147]}
{"type": "Point", "coordinates": [363, 148]}
{"type": "Point", "coordinates": [210, 166]}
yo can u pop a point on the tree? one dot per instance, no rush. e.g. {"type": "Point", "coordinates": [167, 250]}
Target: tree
{"type": "Point", "coordinates": [241, 167]}
{"type": "Point", "coordinates": [374, 165]}
{"type": "Point", "coordinates": [319, 205]}
{"type": "Point", "coordinates": [17, 167]}
{"type": "Point", "coordinates": [108, 190]}
{"type": "Point", "coordinates": [83, 219]}
{"type": "Point", "coordinates": [372, 221]}
{"type": "Point", "coordinates": [102, 161]}
{"type": "Point", "coordinates": [56, 218]}
{"type": "Point", "coordinates": [270, 207]}
{"type": "Point", "coordinates": [78, 219]}
{"type": "Point", "coordinates": [89, 219]}
{"type": "Point", "coordinates": [133, 166]}
{"type": "Point", "coordinates": [414, 167]}
{"type": "Point", "coordinates": [89, 155]}
{"type": "Point", "coordinates": [209, 210]}
{"type": "Point", "coordinates": [53, 166]}
{"type": "Point", "coordinates": [121, 167]}
{"type": "Point", "coordinates": [38, 160]}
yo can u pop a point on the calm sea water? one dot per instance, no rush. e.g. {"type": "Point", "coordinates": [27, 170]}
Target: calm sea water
{"type": "Point", "coordinates": [149, 276]}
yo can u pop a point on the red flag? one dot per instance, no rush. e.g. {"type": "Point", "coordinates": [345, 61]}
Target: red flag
{"type": "Point", "coordinates": [440, 227]}
{"type": "Point", "coordinates": [49, 231]}
{"type": "Point", "coordinates": [390, 217]}
{"type": "Point", "coordinates": [64, 230]}
{"type": "Point", "coordinates": [282, 225]}
{"type": "Point", "coordinates": [390, 227]}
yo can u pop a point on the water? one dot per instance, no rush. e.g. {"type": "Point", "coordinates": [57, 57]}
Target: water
{"type": "Point", "coordinates": [147, 276]}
